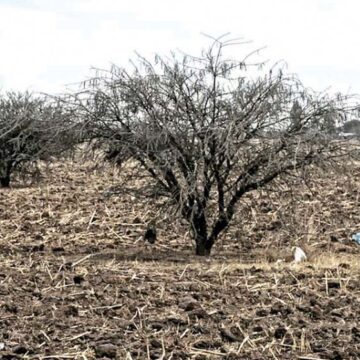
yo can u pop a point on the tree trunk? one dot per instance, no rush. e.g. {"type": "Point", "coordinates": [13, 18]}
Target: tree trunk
{"type": "Point", "coordinates": [5, 175]}
{"type": "Point", "coordinates": [5, 181]}
{"type": "Point", "coordinates": [200, 233]}
{"type": "Point", "coordinates": [203, 245]}
{"type": "Point", "coordinates": [202, 249]}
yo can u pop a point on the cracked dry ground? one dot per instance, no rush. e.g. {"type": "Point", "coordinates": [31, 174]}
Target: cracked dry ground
{"type": "Point", "coordinates": [77, 283]}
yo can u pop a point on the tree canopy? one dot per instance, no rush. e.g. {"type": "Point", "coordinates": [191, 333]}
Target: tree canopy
{"type": "Point", "coordinates": [207, 130]}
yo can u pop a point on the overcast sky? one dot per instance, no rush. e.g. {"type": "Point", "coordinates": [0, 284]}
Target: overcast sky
{"type": "Point", "coordinates": [47, 44]}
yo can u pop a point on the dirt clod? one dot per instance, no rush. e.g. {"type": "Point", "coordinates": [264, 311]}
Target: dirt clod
{"type": "Point", "coordinates": [78, 279]}
{"type": "Point", "coordinates": [106, 350]}
{"type": "Point", "coordinates": [232, 335]}
{"type": "Point", "coordinates": [280, 332]}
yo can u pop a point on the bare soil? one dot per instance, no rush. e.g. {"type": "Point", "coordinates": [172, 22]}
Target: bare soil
{"type": "Point", "coordinates": [77, 280]}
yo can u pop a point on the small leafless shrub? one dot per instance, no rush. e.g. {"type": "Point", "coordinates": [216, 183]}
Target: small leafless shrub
{"type": "Point", "coordinates": [31, 129]}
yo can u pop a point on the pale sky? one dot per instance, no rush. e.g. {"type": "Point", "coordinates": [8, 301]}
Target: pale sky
{"type": "Point", "coordinates": [47, 44]}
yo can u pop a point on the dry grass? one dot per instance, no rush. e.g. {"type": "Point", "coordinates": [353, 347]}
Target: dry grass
{"type": "Point", "coordinates": [77, 281]}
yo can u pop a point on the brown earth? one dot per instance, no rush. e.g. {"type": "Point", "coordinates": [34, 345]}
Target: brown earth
{"type": "Point", "coordinates": [78, 282]}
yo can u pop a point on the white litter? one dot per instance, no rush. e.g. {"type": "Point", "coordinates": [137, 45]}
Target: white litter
{"type": "Point", "coordinates": [299, 255]}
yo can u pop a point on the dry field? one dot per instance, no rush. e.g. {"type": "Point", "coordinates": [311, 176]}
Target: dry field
{"type": "Point", "coordinates": [78, 282]}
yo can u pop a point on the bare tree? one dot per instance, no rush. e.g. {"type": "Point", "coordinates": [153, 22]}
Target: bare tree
{"type": "Point", "coordinates": [31, 128]}
{"type": "Point", "coordinates": [208, 131]}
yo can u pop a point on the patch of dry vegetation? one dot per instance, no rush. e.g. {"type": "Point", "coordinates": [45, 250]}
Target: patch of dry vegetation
{"type": "Point", "coordinates": [78, 282]}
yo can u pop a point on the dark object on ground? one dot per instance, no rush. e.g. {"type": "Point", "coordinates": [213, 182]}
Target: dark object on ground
{"type": "Point", "coordinates": [150, 234]}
